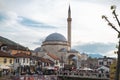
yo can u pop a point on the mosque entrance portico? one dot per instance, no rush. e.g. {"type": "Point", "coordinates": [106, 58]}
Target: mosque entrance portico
{"type": "Point", "coordinates": [73, 59]}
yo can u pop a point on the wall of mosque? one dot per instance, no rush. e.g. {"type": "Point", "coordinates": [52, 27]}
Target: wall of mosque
{"type": "Point", "coordinates": [54, 49]}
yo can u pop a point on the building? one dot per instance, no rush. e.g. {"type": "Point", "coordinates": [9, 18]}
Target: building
{"type": "Point", "coordinates": [22, 62]}
{"type": "Point", "coordinates": [14, 49]}
{"type": "Point", "coordinates": [13, 56]}
{"type": "Point", "coordinates": [6, 61]}
{"type": "Point", "coordinates": [90, 62]}
{"type": "Point", "coordinates": [105, 61]}
{"type": "Point", "coordinates": [113, 70]}
{"type": "Point", "coordinates": [58, 45]}
{"type": "Point", "coordinates": [11, 47]}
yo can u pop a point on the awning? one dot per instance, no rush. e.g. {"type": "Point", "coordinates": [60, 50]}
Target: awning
{"type": "Point", "coordinates": [4, 67]}
{"type": "Point", "coordinates": [87, 69]}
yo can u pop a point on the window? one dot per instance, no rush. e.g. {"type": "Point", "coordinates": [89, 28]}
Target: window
{"type": "Point", "coordinates": [10, 60]}
{"type": "Point", "coordinates": [17, 60]}
{"type": "Point", "coordinates": [114, 67]}
{"type": "Point", "coordinates": [109, 63]}
{"type": "Point", "coordinates": [27, 60]}
{"type": "Point", "coordinates": [56, 62]}
{"type": "Point", "coordinates": [5, 60]}
{"type": "Point", "coordinates": [34, 62]}
{"type": "Point", "coordinates": [23, 60]}
{"type": "Point", "coordinates": [100, 63]}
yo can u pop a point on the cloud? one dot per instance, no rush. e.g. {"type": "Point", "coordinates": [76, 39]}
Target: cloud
{"type": "Point", "coordinates": [32, 23]}
{"type": "Point", "coordinates": [26, 21]}
{"type": "Point", "coordinates": [39, 42]}
{"type": "Point", "coordinates": [2, 16]}
{"type": "Point", "coordinates": [25, 31]}
{"type": "Point", "coordinates": [15, 31]}
{"type": "Point", "coordinates": [111, 54]}
{"type": "Point", "coordinates": [98, 2]}
{"type": "Point", "coordinates": [96, 47]}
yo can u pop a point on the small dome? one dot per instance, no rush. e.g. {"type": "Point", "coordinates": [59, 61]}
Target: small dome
{"type": "Point", "coordinates": [55, 37]}
{"type": "Point", "coordinates": [37, 49]}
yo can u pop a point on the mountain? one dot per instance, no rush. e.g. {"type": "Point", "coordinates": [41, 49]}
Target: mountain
{"type": "Point", "coordinates": [11, 43]}
{"type": "Point", "coordinates": [95, 55]}
{"type": "Point", "coordinates": [6, 41]}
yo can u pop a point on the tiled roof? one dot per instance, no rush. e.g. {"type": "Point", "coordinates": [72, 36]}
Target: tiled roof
{"type": "Point", "coordinates": [19, 47]}
{"type": "Point", "coordinates": [53, 56]}
{"type": "Point", "coordinates": [43, 59]}
{"type": "Point", "coordinates": [5, 54]}
{"type": "Point", "coordinates": [35, 57]}
{"type": "Point", "coordinates": [50, 61]}
{"type": "Point", "coordinates": [22, 55]}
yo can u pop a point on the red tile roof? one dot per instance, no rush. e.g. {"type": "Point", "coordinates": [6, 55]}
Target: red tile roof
{"type": "Point", "coordinates": [50, 61]}
{"type": "Point", "coordinates": [22, 55]}
{"type": "Point", "coordinates": [43, 60]}
{"type": "Point", "coordinates": [5, 54]}
{"type": "Point", "coordinates": [53, 56]}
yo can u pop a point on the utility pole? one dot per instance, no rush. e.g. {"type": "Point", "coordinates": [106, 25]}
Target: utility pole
{"type": "Point", "coordinates": [118, 53]}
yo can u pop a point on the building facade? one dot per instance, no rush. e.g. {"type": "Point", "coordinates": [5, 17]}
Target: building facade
{"type": "Point", "coordinates": [6, 61]}
{"type": "Point", "coordinates": [105, 61]}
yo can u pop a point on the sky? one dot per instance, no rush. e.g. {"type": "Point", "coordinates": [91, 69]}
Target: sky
{"type": "Point", "coordinates": [29, 22]}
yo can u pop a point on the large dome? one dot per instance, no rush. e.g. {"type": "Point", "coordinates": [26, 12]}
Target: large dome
{"type": "Point", "coordinates": [55, 37]}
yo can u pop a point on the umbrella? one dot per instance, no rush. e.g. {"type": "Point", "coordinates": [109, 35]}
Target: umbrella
{"type": "Point", "coordinates": [87, 68]}
{"type": "Point", "coordinates": [4, 67]}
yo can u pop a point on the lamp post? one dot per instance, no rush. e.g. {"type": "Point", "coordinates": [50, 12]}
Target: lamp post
{"type": "Point", "coordinates": [118, 53]}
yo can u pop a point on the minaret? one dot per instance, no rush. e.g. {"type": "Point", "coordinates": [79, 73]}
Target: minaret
{"type": "Point", "coordinates": [69, 19]}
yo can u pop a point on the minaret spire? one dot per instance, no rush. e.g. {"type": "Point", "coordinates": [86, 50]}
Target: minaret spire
{"type": "Point", "coordinates": [69, 12]}
{"type": "Point", "coordinates": [69, 19]}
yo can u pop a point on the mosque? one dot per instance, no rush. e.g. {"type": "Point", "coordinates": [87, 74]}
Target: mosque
{"type": "Point", "coordinates": [58, 45]}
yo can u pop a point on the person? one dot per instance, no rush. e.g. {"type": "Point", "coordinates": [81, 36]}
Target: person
{"type": "Point", "coordinates": [30, 78]}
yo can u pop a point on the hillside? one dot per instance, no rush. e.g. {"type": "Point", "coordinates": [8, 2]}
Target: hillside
{"type": "Point", "coordinates": [11, 43]}
{"type": "Point", "coordinates": [95, 55]}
